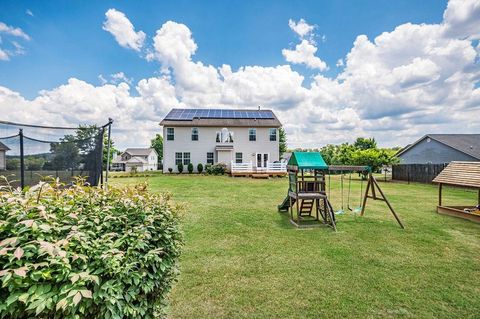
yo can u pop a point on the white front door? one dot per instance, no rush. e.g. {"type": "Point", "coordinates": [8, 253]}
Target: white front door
{"type": "Point", "coordinates": [262, 160]}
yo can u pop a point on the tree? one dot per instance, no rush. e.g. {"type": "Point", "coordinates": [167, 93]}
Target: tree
{"type": "Point", "coordinates": [282, 139]}
{"type": "Point", "coordinates": [33, 163]}
{"type": "Point", "coordinates": [66, 155]}
{"type": "Point", "coordinates": [157, 144]}
{"type": "Point", "coordinates": [86, 135]}
{"type": "Point", "coordinates": [365, 143]}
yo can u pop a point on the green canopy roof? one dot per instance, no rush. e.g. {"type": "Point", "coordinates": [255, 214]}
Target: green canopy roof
{"type": "Point", "coordinates": [307, 160]}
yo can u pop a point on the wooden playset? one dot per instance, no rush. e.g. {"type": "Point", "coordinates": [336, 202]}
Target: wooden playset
{"type": "Point", "coordinates": [460, 174]}
{"type": "Point", "coordinates": [307, 198]}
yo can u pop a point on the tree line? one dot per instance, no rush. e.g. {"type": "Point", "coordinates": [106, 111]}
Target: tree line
{"type": "Point", "coordinates": [363, 152]}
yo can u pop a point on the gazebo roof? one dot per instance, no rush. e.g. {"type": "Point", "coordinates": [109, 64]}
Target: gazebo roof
{"type": "Point", "coordinates": [460, 174]}
{"type": "Point", "coordinates": [307, 160]}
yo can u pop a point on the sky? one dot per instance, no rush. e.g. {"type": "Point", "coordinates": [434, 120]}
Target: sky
{"type": "Point", "coordinates": [331, 70]}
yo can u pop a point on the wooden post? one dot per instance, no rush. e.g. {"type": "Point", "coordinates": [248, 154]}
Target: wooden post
{"type": "Point", "coordinates": [440, 194]}
{"type": "Point", "coordinates": [373, 188]}
{"type": "Point", "coordinates": [388, 203]}
{"type": "Point", "coordinates": [366, 194]}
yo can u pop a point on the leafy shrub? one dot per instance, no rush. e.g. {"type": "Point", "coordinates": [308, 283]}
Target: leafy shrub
{"type": "Point", "coordinates": [208, 168]}
{"type": "Point", "coordinates": [34, 163]}
{"type": "Point", "coordinates": [82, 252]}
{"type": "Point", "coordinates": [13, 164]}
{"type": "Point", "coordinates": [217, 169]}
{"type": "Point", "coordinates": [170, 169]}
{"type": "Point", "coordinates": [200, 168]}
{"type": "Point", "coordinates": [190, 168]}
{"type": "Point", "coordinates": [180, 168]}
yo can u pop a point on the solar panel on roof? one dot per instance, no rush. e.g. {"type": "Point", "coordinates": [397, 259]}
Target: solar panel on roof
{"type": "Point", "coordinates": [190, 114]}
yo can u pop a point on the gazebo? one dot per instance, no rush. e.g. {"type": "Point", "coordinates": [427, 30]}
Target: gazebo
{"type": "Point", "coordinates": [463, 174]}
{"type": "Point", "coordinates": [307, 199]}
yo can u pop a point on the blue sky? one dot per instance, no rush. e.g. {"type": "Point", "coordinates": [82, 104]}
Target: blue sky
{"type": "Point", "coordinates": [68, 40]}
{"type": "Point", "coordinates": [330, 70]}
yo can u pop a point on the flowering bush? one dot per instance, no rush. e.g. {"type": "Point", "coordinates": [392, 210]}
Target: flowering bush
{"type": "Point", "coordinates": [82, 252]}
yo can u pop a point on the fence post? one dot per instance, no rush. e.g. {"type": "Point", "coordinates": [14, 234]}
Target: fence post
{"type": "Point", "coordinates": [22, 160]}
{"type": "Point", "coordinates": [110, 122]}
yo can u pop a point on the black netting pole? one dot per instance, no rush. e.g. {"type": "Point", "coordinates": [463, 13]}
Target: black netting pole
{"type": "Point", "coordinates": [22, 160]}
{"type": "Point", "coordinates": [110, 122]}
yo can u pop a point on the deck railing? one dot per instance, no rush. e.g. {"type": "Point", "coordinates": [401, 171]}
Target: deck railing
{"type": "Point", "coordinates": [242, 167]}
{"type": "Point", "coordinates": [249, 167]}
{"type": "Point", "coordinates": [277, 167]}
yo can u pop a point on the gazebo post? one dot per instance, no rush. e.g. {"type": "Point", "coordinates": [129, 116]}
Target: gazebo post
{"type": "Point", "coordinates": [440, 194]}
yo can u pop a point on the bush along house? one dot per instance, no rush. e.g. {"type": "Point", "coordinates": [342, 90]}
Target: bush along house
{"type": "Point", "coordinates": [246, 141]}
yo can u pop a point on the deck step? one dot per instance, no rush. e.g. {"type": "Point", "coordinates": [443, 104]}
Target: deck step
{"type": "Point", "coordinates": [257, 175]}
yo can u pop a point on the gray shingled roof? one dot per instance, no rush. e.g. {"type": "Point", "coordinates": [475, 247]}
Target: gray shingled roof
{"type": "Point", "coordinates": [465, 143]}
{"type": "Point", "coordinates": [139, 151]}
{"type": "Point", "coordinates": [4, 147]}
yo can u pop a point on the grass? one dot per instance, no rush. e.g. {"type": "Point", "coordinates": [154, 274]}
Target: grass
{"type": "Point", "coordinates": [243, 259]}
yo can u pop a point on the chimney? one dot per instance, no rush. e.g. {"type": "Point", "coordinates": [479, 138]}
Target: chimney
{"type": "Point", "coordinates": [259, 107]}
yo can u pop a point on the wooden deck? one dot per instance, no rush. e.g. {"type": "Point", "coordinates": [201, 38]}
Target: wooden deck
{"type": "Point", "coordinates": [258, 174]}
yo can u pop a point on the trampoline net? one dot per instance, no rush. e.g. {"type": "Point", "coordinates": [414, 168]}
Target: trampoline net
{"type": "Point", "coordinates": [50, 152]}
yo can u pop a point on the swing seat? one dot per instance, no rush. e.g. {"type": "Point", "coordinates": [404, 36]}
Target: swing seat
{"type": "Point", "coordinates": [357, 209]}
{"type": "Point", "coordinates": [339, 212]}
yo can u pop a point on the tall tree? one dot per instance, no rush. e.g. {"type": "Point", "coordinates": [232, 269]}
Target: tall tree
{"type": "Point", "coordinates": [282, 139]}
{"type": "Point", "coordinates": [157, 144]}
{"type": "Point", "coordinates": [365, 143]}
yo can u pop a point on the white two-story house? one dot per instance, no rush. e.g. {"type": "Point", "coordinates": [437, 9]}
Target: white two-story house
{"type": "Point", "coordinates": [136, 159]}
{"type": "Point", "coordinates": [244, 140]}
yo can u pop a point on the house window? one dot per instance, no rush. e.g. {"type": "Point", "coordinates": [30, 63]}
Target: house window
{"type": "Point", "coordinates": [252, 134]}
{"type": "Point", "coordinates": [238, 158]}
{"type": "Point", "coordinates": [209, 158]}
{"type": "Point", "coordinates": [170, 133]}
{"type": "Point", "coordinates": [273, 134]}
{"type": "Point", "coordinates": [178, 158]}
{"type": "Point", "coordinates": [186, 158]}
{"type": "Point", "coordinates": [194, 133]}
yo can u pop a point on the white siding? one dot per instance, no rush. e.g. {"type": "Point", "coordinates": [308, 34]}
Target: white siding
{"type": "Point", "coordinates": [2, 160]}
{"type": "Point", "coordinates": [207, 143]}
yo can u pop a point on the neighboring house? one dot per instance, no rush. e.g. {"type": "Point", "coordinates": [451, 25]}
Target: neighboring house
{"type": "Point", "coordinates": [286, 157]}
{"type": "Point", "coordinates": [3, 158]}
{"type": "Point", "coordinates": [442, 148]}
{"type": "Point", "coordinates": [238, 138]}
{"type": "Point", "coordinates": [141, 159]}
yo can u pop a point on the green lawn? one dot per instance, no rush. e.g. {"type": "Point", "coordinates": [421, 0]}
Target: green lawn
{"type": "Point", "coordinates": [243, 259]}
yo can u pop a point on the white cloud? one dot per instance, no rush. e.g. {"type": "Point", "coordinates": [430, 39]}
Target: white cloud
{"type": "Point", "coordinates": [122, 29]}
{"type": "Point", "coordinates": [29, 12]}
{"type": "Point", "coordinates": [304, 53]}
{"type": "Point", "coordinates": [340, 63]}
{"type": "Point", "coordinates": [3, 55]}
{"type": "Point", "coordinates": [115, 78]}
{"type": "Point", "coordinates": [462, 19]}
{"type": "Point", "coordinates": [302, 28]}
{"type": "Point", "coordinates": [174, 44]}
{"type": "Point", "coordinates": [120, 77]}
{"type": "Point", "coordinates": [13, 48]}
{"type": "Point", "coordinates": [415, 79]}
{"type": "Point", "coordinates": [17, 32]}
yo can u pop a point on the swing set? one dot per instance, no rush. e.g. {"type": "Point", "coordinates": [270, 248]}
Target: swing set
{"type": "Point", "coordinates": [358, 208]}
{"type": "Point", "coordinates": [308, 201]}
